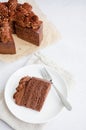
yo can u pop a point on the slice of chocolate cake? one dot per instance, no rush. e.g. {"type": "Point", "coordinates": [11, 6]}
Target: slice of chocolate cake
{"type": "Point", "coordinates": [32, 92]}
{"type": "Point", "coordinates": [7, 45]}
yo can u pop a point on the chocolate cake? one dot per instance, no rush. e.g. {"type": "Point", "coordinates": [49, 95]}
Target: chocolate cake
{"type": "Point", "coordinates": [22, 21]}
{"type": "Point", "coordinates": [32, 92]}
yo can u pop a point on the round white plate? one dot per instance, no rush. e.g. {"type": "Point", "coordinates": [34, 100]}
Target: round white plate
{"type": "Point", "coordinates": [52, 105]}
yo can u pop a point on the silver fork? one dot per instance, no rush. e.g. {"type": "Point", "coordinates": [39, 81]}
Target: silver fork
{"type": "Point", "coordinates": [45, 74]}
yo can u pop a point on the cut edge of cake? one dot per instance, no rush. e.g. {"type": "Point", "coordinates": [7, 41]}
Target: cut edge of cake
{"type": "Point", "coordinates": [7, 45]}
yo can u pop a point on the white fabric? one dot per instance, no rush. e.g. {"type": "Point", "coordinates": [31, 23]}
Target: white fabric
{"type": "Point", "coordinates": [5, 114]}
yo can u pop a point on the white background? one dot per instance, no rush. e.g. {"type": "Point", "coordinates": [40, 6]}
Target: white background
{"type": "Point", "coordinates": [69, 16]}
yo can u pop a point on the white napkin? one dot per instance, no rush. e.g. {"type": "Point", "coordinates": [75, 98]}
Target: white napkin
{"type": "Point", "coordinates": [5, 114]}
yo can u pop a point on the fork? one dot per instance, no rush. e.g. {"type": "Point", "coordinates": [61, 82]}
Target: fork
{"type": "Point", "coordinates": [45, 74]}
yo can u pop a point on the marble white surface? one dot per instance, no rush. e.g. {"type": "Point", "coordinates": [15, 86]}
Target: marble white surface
{"type": "Point", "coordinates": [69, 16]}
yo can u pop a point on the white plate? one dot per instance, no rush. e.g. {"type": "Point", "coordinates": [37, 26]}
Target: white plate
{"type": "Point", "coordinates": [52, 105]}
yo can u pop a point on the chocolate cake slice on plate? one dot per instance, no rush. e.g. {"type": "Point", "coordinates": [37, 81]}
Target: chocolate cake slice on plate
{"type": "Point", "coordinates": [32, 92]}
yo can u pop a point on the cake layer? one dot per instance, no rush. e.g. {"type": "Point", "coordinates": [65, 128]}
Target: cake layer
{"type": "Point", "coordinates": [29, 34]}
{"type": "Point", "coordinates": [7, 48]}
{"type": "Point", "coordinates": [12, 27]}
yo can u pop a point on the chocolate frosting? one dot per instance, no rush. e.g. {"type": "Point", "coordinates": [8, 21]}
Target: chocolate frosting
{"type": "Point", "coordinates": [5, 31]}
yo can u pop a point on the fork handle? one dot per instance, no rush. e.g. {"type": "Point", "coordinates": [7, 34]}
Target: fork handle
{"type": "Point", "coordinates": [63, 99]}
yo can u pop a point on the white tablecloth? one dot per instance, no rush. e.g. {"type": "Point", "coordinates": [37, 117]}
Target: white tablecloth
{"type": "Point", "coordinates": [69, 16]}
